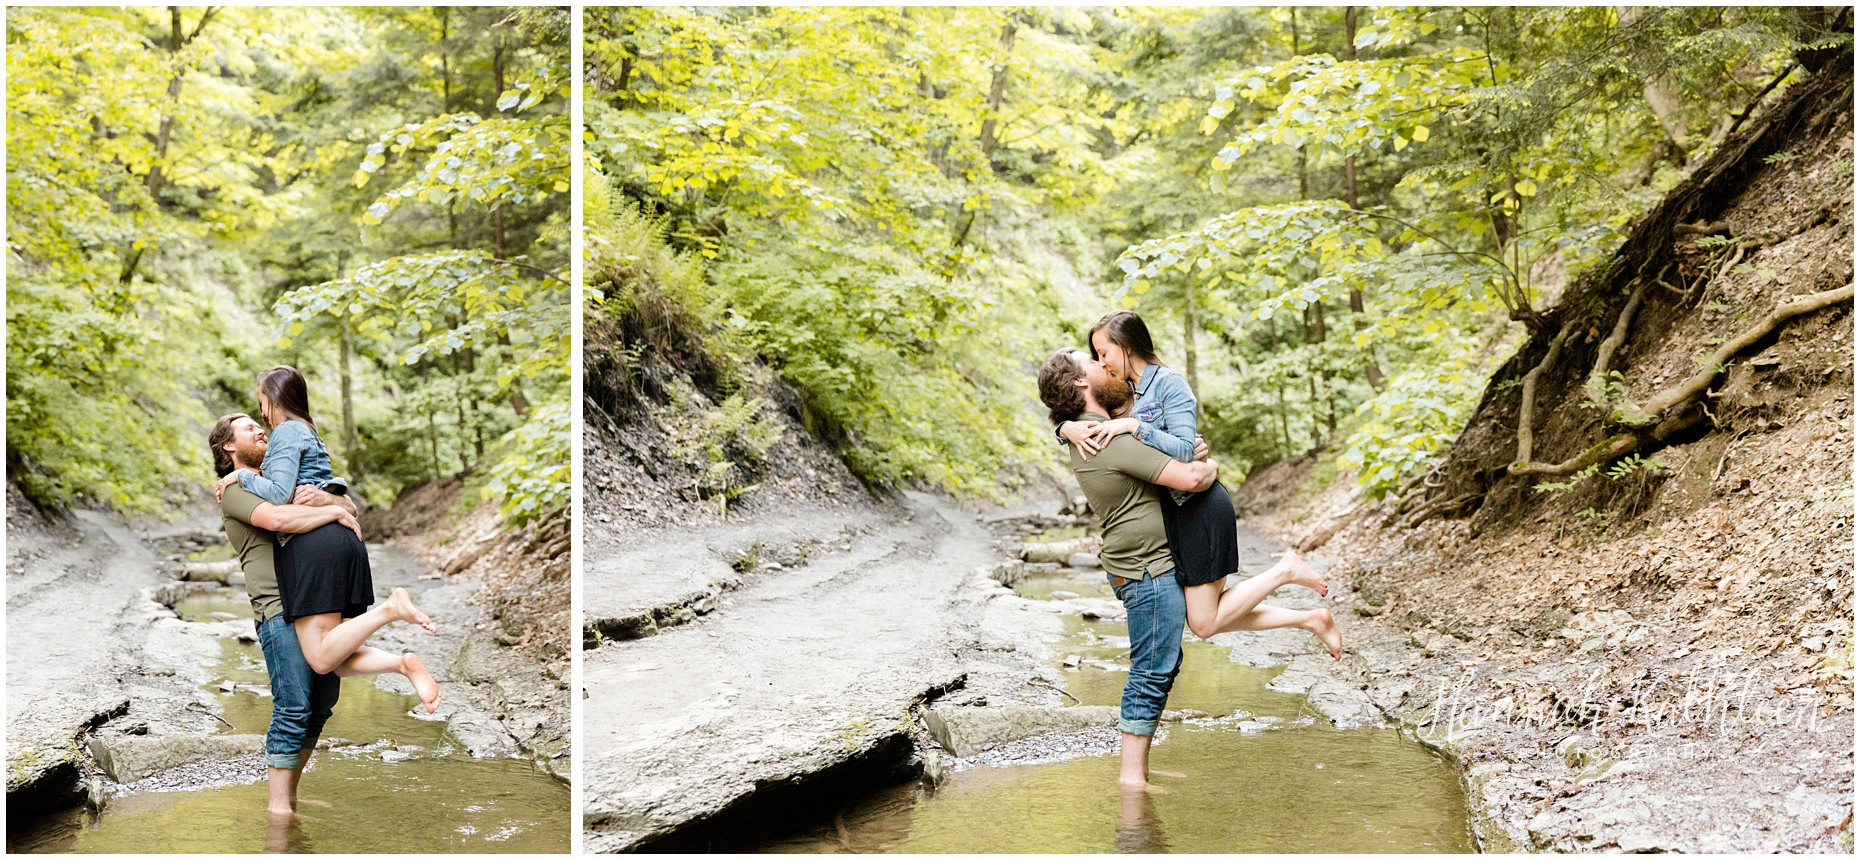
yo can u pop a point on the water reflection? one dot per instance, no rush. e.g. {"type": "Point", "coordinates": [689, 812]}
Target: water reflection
{"type": "Point", "coordinates": [1139, 829]}
{"type": "Point", "coordinates": [285, 835]}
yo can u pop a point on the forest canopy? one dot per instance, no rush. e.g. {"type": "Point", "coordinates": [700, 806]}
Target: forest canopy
{"type": "Point", "coordinates": [376, 196]}
{"type": "Point", "coordinates": [1337, 220]}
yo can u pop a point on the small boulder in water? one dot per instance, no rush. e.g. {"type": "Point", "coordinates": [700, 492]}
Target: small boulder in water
{"type": "Point", "coordinates": [1087, 560]}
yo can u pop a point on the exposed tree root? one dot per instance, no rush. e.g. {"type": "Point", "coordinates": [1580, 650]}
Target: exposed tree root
{"type": "Point", "coordinates": [1598, 377]}
{"type": "Point", "coordinates": [1638, 434]}
{"type": "Point", "coordinates": [1613, 448]}
{"type": "Point", "coordinates": [1696, 385]}
{"type": "Point", "coordinates": [1433, 509]}
{"type": "Point", "coordinates": [1701, 228]}
{"type": "Point", "coordinates": [1527, 409]}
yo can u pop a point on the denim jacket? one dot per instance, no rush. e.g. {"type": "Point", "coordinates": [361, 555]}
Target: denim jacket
{"type": "Point", "coordinates": [1165, 412]}
{"type": "Point", "coordinates": [294, 455]}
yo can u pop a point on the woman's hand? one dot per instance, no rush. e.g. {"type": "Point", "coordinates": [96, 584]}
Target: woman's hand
{"type": "Point", "coordinates": [311, 496]}
{"type": "Point", "coordinates": [219, 489]}
{"type": "Point", "coordinates": [1079, 434]}
{"type": "Point", "coordinates": [1101, 433]}
{"type": "Point", "coordinates": [348, 521]}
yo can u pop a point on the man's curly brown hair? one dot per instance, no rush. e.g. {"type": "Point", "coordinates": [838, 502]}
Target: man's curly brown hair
{"type": "Point", "coordinates": [217, 438]}
{"type": "Point", "coordinates": [1064, 401]}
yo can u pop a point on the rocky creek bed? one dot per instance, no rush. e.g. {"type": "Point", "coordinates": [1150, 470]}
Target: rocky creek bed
{"type": "Point", "coordinates": [147, 718]}
{"type": "Point", "coordinates": [816, 686]}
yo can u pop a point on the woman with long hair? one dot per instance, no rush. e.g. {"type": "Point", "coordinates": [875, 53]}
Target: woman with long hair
{"type": "Point", "coordinates": [1201, 527]}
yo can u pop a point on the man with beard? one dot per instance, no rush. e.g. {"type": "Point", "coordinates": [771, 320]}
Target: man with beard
{"type": "Point", "coordinates": [301, 699]}
{"type": "Point", "coordinates": [1118, 484]}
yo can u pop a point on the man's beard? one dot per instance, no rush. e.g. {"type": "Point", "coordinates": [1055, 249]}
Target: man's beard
{"type": "Point", "coordinates": [1112, 394]}
{"type": "Point", "coordinates": [247, 456]}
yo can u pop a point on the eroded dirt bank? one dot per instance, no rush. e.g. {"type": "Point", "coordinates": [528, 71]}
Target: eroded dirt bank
{"type": "Point", "coordinates": [97, 649]}
{"type": "Point", "coordinates": [1655, 652]}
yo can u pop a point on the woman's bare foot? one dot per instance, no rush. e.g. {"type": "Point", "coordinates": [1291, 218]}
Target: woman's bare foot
{"type": "Point", "coordinates": [400, 605]}
{"type": "Point", "coordinates": [423, 682]}
{"type": "Point", "coordinates": [1300, 573]}
{"type": "Point", "coordinates": [1325, 627]}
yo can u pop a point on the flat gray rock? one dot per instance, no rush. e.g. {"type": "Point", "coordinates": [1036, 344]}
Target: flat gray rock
{"type": "Point", "coordinates": [967, 731]}
{"type": "Point", "coordinates": [128, 758]}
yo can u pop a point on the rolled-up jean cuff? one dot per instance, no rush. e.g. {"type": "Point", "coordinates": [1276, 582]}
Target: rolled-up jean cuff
{"type": "Point", "coordinates": [1144, 728]}
{"type": "Point", "coordinates": [284, 762]}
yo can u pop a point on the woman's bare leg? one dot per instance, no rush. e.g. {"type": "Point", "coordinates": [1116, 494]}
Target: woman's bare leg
{"type": "Point", "coordinates": [1211, 611]}
{"type": "Point", "coordinates": [374, 661]}
{"type": "Point", "coordinates": [1318, 621]}
{"type": "Point", "coordinates": [328, 641]}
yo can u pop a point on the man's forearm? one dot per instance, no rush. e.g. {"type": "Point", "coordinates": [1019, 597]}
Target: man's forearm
{"type": "Point", "coordinates": [1189, 477]}
{"type": "Point", "coordinates": [1211, 471]}
{"type": "Point", "coordinates": [294, 519]}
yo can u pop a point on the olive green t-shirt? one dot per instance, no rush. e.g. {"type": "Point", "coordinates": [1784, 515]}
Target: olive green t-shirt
{"type": "Point", "coordinates": [254, 546]}
{"type": "Point", "coordinates": [1118, 483]}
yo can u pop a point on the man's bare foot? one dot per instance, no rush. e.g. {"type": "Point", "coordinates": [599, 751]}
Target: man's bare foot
{"type": "Point", "coordinates": [400, 605]}
{"type": "Point", "coordinates": [423, 682]}
{"type": "Point", "coordinates": [1302, 573]}
{"type": "Point", "coordinates": [276, 813]}
{"type": "Point", "coordinates": [1325, 627]}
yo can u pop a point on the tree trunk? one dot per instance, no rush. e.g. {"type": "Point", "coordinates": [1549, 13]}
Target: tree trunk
{"type": "Point", "coordinates": [497, 74]}
{"type": "Point", "coordinates": [1661, 92]}
{"type": "Point", "coordinates": [345, 348]}
{"type": "Point", "coordinates": [1285, 426]}
{"type": "Point", "coordinates": [1311, 338]}
{"type": "Point", "coordinates": [1330, 406]}
{"type": "Point", "coordinates": [1188, 345]}
{"type": "Point", "coordinates": [1372, 370]}
{"type": "Point", "coordinates": [1349, 53]}
{"type": "Point", "coordinates": [164, 135]}
{"type": "Point", "coordinates": [997, 86]}
{"type": "Point", "coordinates": [445, 61]}
{"type": "Point", "coordinates": [997, 93]}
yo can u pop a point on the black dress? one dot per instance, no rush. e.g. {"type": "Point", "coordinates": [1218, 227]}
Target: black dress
{"type": "Point", "coordinates": [1202, 535]}
{"type": "Point", "coordinates": [324, 570]}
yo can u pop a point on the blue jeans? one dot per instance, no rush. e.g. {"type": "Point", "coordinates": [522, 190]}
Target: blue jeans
{"type": "Point", "coordinates": [1155, 612]}
{"type": "Point", "coordinates": [301, 699]}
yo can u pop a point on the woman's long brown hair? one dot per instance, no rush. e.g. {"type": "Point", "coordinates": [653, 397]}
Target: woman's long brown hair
{"type": "Point", "coordinates": [287, 391]}
{"type": "Point", "coordinates": [1127, 330]}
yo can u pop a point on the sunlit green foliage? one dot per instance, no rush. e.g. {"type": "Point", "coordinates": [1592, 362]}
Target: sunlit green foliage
{"type": "Point", "coordinates": [1335, 219]}
{"type": "Point", "coordinates": [1505, 151]}
{"type": "Point", "coordinates": [839, 202]}
{"type": "Point", "coordinates": [178, 176]}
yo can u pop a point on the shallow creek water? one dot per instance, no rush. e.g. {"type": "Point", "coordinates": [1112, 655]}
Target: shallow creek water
{"type": "Point", "coordinates": [1263, 775]}
{"type": "Point", "coordinates": [395, 783]}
